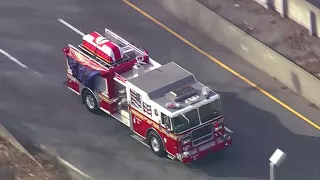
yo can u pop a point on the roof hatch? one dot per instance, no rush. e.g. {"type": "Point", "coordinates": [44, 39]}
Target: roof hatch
{"type": "Point", "coordinates": [181, 93]}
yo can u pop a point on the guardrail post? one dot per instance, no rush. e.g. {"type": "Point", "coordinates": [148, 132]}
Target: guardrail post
{"type": "Point", "coordinates": [312, 24]}
{"type": "Point", "coordinates": [270, 4]}
{"type": "Point", "coordinates": [283, 8]}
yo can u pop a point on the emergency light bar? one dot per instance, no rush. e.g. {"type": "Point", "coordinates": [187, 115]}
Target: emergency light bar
{"type": "Point", "coordinates": [191, 100]}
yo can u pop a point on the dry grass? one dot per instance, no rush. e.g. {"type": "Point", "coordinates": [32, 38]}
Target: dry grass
{"type": "Point", "coordinates": [15, 165]}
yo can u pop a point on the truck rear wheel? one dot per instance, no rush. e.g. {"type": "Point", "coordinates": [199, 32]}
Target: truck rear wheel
{"type": "Point", "coordinates": [90, 101]}
{"type": "Point", "coordinates": [155, 144]}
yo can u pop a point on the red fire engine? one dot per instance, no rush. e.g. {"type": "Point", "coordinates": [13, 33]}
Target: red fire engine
{"type": "Point", "coordinates": [164, 105]}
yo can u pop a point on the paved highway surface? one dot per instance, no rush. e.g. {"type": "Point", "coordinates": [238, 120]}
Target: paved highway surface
{"type": "Point", "coordinates": [315, 3]}
{"type": "Point", "coordinates": [37, 107]}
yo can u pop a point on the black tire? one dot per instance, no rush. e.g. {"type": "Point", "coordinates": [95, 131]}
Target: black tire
{"type": "Point", "coordinates": [157, 151]}
{"type": "Point", "coordinates": [93, 107]}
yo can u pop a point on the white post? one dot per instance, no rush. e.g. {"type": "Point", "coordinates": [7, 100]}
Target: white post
{"type": "Point", "coordinates": [275, 160]}
{"type": "Point", "coordinates": [272, 173]}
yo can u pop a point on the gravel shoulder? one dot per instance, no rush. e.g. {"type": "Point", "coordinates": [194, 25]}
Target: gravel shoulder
{"type": "Point", "coordinates": [15, 165]}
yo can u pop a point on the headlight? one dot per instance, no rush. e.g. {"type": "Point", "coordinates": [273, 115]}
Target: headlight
{"type": "Point", "coordinates": [186, 148]}
{"type": "Point", "coordinates": [186, 139]}
{"type": "Point", "coordinates": [217, 125]}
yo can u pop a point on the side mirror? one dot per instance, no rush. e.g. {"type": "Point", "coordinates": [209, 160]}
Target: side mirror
{"type": "Point", "coordinates": [167, 127]}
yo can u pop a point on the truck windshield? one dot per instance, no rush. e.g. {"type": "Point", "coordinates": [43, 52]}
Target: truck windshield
{"type": "Point", "coordinates": [185, 121]}
{"type": "Point", "coordinates": [209, 111]}
{"type": "Point", "coordinates": [191, 119]}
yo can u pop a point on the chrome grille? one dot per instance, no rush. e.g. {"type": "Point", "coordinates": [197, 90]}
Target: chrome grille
{"type": "Point", "coordinates": [202, 135]}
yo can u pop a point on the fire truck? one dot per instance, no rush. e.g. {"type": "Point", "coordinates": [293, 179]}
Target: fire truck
{"type": "Point", "coordinates": [164, 106]}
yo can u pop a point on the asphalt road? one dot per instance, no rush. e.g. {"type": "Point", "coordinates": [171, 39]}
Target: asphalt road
{"type": "Point", "coordinates": [37, 107]}
{"type": "Point", "coordinates": [315, 3]}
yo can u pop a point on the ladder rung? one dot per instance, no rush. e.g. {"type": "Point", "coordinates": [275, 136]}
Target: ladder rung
{"type": "Point", "coordinates": [127, 48]}
{"type": "Point", "coordinates": [109, 33]}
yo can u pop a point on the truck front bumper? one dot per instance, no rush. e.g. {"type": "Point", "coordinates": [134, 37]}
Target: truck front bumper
{"type": "Point", "coordinates": [205, 149]}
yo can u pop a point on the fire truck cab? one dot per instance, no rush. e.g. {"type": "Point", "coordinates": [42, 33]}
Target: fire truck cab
{"type": "Point", "coordinates": [164, 106]}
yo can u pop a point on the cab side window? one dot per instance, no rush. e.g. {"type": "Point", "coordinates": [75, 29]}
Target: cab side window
{"type": "Point", "coordinates": [165, 120]}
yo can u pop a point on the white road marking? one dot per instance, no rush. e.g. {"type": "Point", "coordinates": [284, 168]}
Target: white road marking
{"type": "Point", "coordinates": [71, 27]}
{"type": "Point", "coordinates": [38, 74]}
{"type": "Point", "coordinates": [228, 130]}
{"type": "Point", "coordinates": [12, 58]}
{"type": "Point", "coordinates": [74, 168]}
{"type": "Point", "coordinates": [64, 162]}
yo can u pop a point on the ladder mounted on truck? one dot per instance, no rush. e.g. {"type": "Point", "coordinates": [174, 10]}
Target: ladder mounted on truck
{"type": "Point", "coordinates": [132, 62]}
{"type": "Point", "coordinates": [130, 52]}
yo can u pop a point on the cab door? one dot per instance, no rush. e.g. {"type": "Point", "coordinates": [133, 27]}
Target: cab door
{"type": "Point", "coordinates": [170, 143]}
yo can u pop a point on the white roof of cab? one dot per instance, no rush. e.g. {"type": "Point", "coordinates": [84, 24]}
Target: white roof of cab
{"type": "Point", "coordinates": [169, 77]}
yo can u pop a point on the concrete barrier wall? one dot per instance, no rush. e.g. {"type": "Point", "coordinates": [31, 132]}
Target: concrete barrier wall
{"type": "Point", "coordinates": [298, 10]}
{"type": "Point", "coordinates": [217, 28]}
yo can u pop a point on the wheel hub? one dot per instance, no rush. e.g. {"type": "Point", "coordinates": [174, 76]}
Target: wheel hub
{"type": "Point", "coordinates": [90, 102]}
{"type": "Point", "coordinates": [155, 144]}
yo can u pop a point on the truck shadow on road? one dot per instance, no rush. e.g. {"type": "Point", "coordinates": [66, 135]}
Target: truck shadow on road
{"type": "Point", "coordinates": [257, 133]}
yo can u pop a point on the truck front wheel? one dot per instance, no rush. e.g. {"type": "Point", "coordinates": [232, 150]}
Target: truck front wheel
{"type": "Point", "coordinates": [90, 101]}
{"type": "Point", "coordinates": [156, 144]}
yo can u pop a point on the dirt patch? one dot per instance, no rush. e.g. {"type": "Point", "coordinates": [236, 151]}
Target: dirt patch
{"type": "Point", "coordinates": [15, 165]}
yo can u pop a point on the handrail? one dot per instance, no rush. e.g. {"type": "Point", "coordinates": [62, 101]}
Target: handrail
{"type": "Point", "coordinates": [117, 37]}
